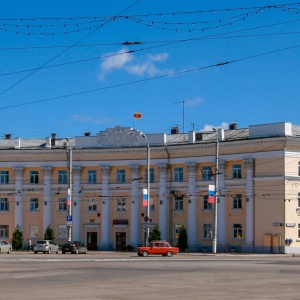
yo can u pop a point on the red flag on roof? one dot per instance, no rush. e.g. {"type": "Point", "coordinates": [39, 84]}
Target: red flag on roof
{"type": "Point", "coordinates": [137, 115]}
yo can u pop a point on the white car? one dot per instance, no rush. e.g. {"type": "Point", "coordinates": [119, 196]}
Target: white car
{"type": "Point", "coordinates": [46, 246]}
{"type": "Point", "coordinates": [5, 247]}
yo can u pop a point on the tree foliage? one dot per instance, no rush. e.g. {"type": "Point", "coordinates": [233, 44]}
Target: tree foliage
{"type": "Point", "coordinates": [49, 233]}
{"type": "Point", "coordinates": [182, 243]}
{"type": "Point", "coordinates": [155, 234]}
{"type": "Point", "coordinates": [17, 239]}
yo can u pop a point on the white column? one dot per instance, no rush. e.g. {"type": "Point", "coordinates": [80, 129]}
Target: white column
{"type": "Point", "coordinates": [249, 230]}
{"type": "Point", "coordinates": [221, 205]}
{"type": "Point", "coordinates": [105, 241]}
{"type": "Point", "coordinates": [47, 215]}
{"type": "Point", "coordinates": [135, 207]}
{"type": "Point", "coordinates": [76, 209]}
{"type": "Point", "coordinates": [163, 203]}
{"type": "Point", "coordinates": [18, 198]}
{"type": "Point", "coordinates": [192, 208]}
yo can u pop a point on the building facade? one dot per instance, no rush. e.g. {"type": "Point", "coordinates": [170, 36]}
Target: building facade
{"type": "Point", "coordinates": [258, 188]}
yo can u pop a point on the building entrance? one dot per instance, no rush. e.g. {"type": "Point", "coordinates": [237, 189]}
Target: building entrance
{"type": "Point", "coordinates": [91, 238]}
{"type": "Point", "coordinates": [120, 241]}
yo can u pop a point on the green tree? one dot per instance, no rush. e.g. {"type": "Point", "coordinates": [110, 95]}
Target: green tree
{"type": "Point", "coordinates": [49, 233]}
{"type": "Point", "coordinates": [182, 243]}
{"type": "Point", "coordinates": [17, 239]}
{"type": "Point", "coordinates": [155, 234]}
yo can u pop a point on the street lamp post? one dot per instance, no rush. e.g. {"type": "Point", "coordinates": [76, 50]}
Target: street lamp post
{"type": "Point", "coordinates": [69, 200]}
{"type": "Point", "coordinates": [148, 190]}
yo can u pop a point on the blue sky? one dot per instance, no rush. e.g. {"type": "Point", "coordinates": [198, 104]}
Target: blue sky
{"type": "Point", "coordinates": [65, 67]}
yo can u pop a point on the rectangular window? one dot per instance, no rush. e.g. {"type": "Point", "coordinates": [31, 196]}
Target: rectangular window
{"type": "Point", "coordinates": [236, 171]}
{"type": "Point", "coordinates": [237, 201]}
{"type": "Point", "coordinates": [178, 174]}
{"type": "Point", "coordinates": [62, 231]}
{"type": "Point", "coordinates": [121, 204]}
{"type": "Point", "coordinates": [92, 176]}
{"type": "Point", "coordinates": [207, 231]}
{"type": "Point", "coordinates": [121, 176]}
{"type": "Point", "coordinates": [206, 173]}
{"type": "Point", "coordinates": [92, 204]}
{"type": "Point", "coordinates": [237, 231]}
{"type": "Point", "coordinates": [178, 203]}
{"type": "Point", "coordinates": [62, 204]}
{"type": "Point", "coordinates": [34, 204]}
{"type": "Point", "coordinates": [4, 231]}
{"type": "Point", "coordinates": [4, 177]}
{"type": "Point", "coordinates": [4, 204]}
{"type": "Point", "coordinates": [62, 177]}
{"type": "Point", "coordinates": [151, 175]}
{"type": "Point", "coordinates": [152, 204]}
{"type": "Point", "coordinates": [34, 176]}
{"type": "Point", "coordinates": [206, 204]}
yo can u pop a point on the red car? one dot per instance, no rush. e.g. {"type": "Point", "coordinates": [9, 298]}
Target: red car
{"type": "Point", "coordinates": [157, 248]}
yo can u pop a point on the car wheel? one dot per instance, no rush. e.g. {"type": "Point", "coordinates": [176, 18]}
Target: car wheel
{"type": "Point", "coordinates": [35, 252]}
{"type": "Point", "coordinates": [63, 252]}
{"type": "Point", "coordinates": [169, 253]}
{"type": "Point", "coordinates": [145, 253]}
{"type": "Point", "coordinates": [9, 250]}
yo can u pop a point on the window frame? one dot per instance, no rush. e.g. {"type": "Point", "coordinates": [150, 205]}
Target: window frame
{"type": "Point", "coordinates": [4, 204]}
{"type": "Point", "coordinates": [178, 203]}
{"type": "Point", "coordinates": [4, 177]}
{"type": "Point", "coordinates": [178, 174]}
{"type": "Point", "coordinates": [237, 231]}
{"type": "Point", "coordinates": [62, 177]}
{"type": "Point", "coordinates": [62, 204]}
{"type": "Point", "coordinates": [236, 171]}
{"type": "Point", "coordinates": [206, 204]}
{"type": "Point", "coordinates": [34, 177]}
{"type": "Point", "coordinates": [206, 173]}
{"type": "Point", "coordinates": [92, 176]}
{"type": "Point", "coordinates": [34, 204]}
{"type": "Point", "coordinates": [237, 202]}
{"type": "Point", "coordinates": [121, 176]}
{"type": "Point", "coordinates": [207, 231]}
{"type": "Point", "coordinates": [121, 204]}
{"type": "Point", "coordinates": [92, 205]}
{"type": "Point", "coordinates": [4, 231]}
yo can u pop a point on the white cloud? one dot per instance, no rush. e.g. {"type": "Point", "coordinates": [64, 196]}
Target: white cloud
{"type": "Point", "coordinates": [132, 65]}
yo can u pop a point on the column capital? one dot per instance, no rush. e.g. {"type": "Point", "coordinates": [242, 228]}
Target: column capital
{"type": "Point", "coordinates": [163, 168]}
{"type": "Point", "coordinates": [77, 170]}
{"type": "Point", "coordinates": [249, 163]}
{"type": "Point", "coordinates": [47, 170]}
{"type": "Point", "coordinates": [135, 169]}
{"type": "Point", "coordinates": [18, 170]}
{"type": "Point", "coordinates": [192, 167]}
{"type": "Point", "coordinates": [105, 170]}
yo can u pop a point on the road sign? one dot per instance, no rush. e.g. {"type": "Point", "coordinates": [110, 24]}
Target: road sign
{"type": "Point", "coordinates": [69, 223]}
{"type": "Point", "coordinates": [69, 219]}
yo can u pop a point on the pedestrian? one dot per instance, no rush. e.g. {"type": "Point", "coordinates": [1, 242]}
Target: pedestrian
{"type": "Point", "coordinates": [29, 244]}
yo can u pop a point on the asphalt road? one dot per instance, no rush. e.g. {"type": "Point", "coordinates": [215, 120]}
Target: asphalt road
{"type": "Point", "coordinates": [110, 275]}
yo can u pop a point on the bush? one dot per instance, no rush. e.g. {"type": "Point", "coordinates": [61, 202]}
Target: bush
{"type": "Point", "coordinates": [49, 234]}
{"type": "Point", "coordinates": [17, 239]}
{"type": "Point", "coordinates": [129, 248]}
{"type": "Point", "coordinates": [182, 243]}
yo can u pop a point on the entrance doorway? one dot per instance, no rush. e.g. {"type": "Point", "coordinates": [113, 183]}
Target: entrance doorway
{"type": "Point", "coordinates": [120, 241]}
{"type": "Point", "coordinates": [91, 238]}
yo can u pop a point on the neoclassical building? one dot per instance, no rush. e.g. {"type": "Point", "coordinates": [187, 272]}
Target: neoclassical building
{"type": "Point", "coordinates": [255, 171]}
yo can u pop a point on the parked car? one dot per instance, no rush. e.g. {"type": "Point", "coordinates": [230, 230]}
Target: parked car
{"type": "Point", "coordinates": [5, 247]}
{"type": "Point", "coordinates": [46, 246]}
{"type": "Point", "coordinates": [74, 247]}
{"type": "Point", "coordinates": [157, 248]}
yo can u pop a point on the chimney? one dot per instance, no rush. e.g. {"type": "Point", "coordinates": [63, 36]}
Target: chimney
{"type": "Point", "coordinates": [7, 136]}
{"type": "Point", "coordinates": [53, 138]}
{"type": "Point", "coordinates": [233, 126]}
{"type": "Point", "coordinates": [87, 133]}
{"type": "Point", "coordinates": [174, 130]}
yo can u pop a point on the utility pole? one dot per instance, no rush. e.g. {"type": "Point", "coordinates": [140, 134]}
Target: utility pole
{"type": "Point", "coordinates": [69, 200]}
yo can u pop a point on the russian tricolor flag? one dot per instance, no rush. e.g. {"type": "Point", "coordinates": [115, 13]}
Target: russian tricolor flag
{"type": "Point", "coordinates": [145, 197]}
{"type": "Point", "coordinates": [211, 194]}
{"type": "Point", "coordinates": [69, 197]}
